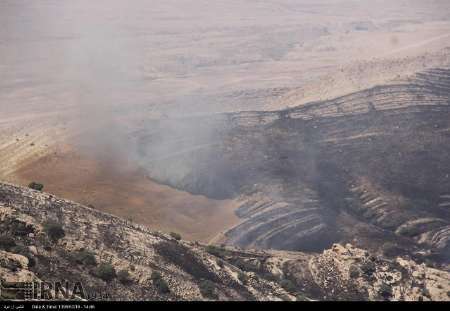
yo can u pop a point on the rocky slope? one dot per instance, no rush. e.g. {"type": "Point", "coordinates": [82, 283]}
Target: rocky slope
{"type": "Point", "coordinates": [162, 267]}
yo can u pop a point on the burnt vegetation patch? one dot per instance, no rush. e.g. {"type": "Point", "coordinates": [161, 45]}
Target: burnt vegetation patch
{"type": "Point", "coordinates": [394, 137]}
{"type": "Point", "coordinates": [185, 259]}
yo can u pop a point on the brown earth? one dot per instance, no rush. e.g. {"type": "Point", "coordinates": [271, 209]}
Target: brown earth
{"type": "Point", "coordinates": [129, 193]}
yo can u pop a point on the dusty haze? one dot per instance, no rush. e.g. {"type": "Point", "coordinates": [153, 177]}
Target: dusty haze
{"type": "Point", "coordinates": [80, 81]}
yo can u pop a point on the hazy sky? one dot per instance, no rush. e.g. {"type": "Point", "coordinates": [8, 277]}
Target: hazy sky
{"type": "Point", "coordinates": [192, 54]}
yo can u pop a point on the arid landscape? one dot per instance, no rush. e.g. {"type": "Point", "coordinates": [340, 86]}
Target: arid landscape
{"type": "Point", "coordinates": [267, 126]}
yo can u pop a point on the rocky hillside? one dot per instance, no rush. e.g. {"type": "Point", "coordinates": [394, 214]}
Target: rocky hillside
{"type": "Point", "coordinates": [44, 238]}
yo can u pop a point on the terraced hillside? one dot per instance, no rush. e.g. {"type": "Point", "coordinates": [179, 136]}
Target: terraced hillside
{"type": "Point", "coordinates": [45, 238]}
{"type": "Point", "coordinates": [370, 167]}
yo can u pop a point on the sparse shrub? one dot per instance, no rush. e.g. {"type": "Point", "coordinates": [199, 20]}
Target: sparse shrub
{"type": "Point", "coordinates": [106, 272]}
{"type": "Point", "coordinates": [84, 257]}
{"type": "Point", "coordinates": [368, 267]}
{"type": "Point", "coordinates": [385, 291]}
{"type": "Point", "coordinates": [288, 285]}
{"type": "Point", "coordinates": [216, 251]}
{"type": "Point", "coordinates": [7, 242]}
{"type": "Point", "coordinates": [36, 186]}
{"type": "Point", "coordinates": [54, 230]}
{"type": "Point", "coordinates": [353, 272]}
{"type": "Point", "coordinates": [124, 277]}
{"type": "Point", "coordinates": [207, 289]}
{"type": "Point", "coordinates": [243, 277]}
{"type": "Point", "coordinates": [160, 284]}
{"type": "Point", "coordinates": [175, 235]}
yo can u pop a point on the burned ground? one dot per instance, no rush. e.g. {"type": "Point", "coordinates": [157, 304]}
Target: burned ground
{"type": "Point", "coordinates": [377, 158]}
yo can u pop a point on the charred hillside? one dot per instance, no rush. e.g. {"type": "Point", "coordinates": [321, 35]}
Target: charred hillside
{"type": "Point", "coordinates": [47, 239]}
{"type": "Point", "coordinates": [368, 167]}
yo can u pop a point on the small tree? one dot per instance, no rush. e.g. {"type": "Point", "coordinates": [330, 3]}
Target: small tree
{"type": "Point", "coordinates": [106, 272]}
{"type": "Point", "coordinates": [54, 230]}
{"type": "Point", "coordinates": [36, 186]}
{"type": "Point", "coordinates": [160, 284]}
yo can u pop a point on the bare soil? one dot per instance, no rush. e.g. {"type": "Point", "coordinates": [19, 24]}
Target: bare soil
{"type": "Point", "coordinates": [130, 194]}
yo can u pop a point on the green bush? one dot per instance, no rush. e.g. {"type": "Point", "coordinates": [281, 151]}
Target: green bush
{"type": "Point", "coordinates": [84, 257]}
{"type": "Point", "coordinates": [36, 186]}
{"type": "Point", "coordinates": [7, 242]}
{"type": "Point", "coordinates": [54, 230]}
{"type": "Point", "coordinates": [106, 272]}
{"type": "Point", "coordinates": [175, 235]}
{"type": "Point", "coordinates": [207, 289]}
{"type": "Point", "coordinates": [160, 284]}
{"type": "Point", "coordinates": [124, 277]}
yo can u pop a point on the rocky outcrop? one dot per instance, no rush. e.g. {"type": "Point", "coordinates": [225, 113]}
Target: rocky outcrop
{"type": "Point", "coordinates": [152, 265]}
